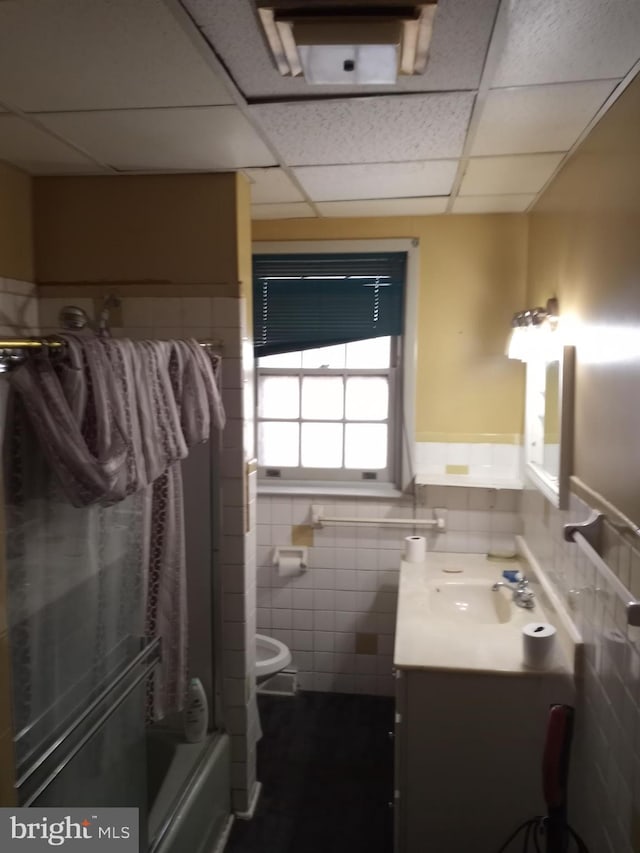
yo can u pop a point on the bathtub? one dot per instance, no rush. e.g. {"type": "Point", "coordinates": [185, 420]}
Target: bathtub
{"type": "Point", "coordinates": [189, 792]}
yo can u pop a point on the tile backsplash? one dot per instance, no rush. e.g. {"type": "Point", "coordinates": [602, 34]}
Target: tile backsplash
{"type": "Point", "coordinates": [484, 461]}
{"type": "Point", "coordinates": [328, 614]}
{"type": "Point", "coordinates": [605, 783]}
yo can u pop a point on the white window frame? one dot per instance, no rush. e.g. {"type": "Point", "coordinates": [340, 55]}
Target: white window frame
{"type": "Point", "coordinates": [355, 475]}
{"type": "Point", "coordinates": [402, 397]}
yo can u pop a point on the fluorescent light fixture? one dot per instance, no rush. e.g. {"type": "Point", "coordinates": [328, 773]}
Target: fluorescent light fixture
{"type": "Point", "coordinates": [270, 28]}
{"type": "Point", "coordinates": [425, 31]}
{"type": "Point", "coordinates": [357, 44]}
{"type": "Point", "coordinates": [357, 65]}
{"type": "Point", "coordinates": [290, 48]}
{"type": "Point", "coordinates": [349, 52]}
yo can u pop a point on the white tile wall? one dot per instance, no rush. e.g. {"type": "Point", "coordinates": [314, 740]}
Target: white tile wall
{"type": "Point", "coordinates": [18, 308]}
{"type": "Point", "coordinates": [166, 317]}
{"type": "Point", "coordinates": [487, 461]}
{"type": "Point", "coordinates": [219, 318]}
{"type": "Point", "coordinates": [352, 581]}
{"type": "Point", "coordinates": [605, 783]}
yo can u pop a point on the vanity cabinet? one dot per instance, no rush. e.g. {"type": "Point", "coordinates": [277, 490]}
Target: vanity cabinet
{"type": "Point", "coordinates": [471, 719]}
{"type": "Point", "coordinates": [468, 756]}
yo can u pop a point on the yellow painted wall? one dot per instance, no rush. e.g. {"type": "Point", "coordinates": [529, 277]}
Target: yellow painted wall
{"type": "Point", "coordinates": [243, 237]}
{"type": "Point", "coordinates": [16, 226]}
{"type": "Point", "coordinates": [472, 279]}
{"type": "Point", "coordinates": [584, 246]}
{"type": "Point", "coordinates": [168, 228]}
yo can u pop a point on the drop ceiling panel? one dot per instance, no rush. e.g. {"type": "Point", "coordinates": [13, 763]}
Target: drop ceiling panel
{"type": "Point", "coordinates": [458, 48]}
{"type": "Point", "coordinates": [35, 151]}
{"type": "Point", "coordinates": [384, 207]}
{"type": "Point", "coordinates": [492, 203]}
{"type": "Point", "coordinates": [282, 211]}
{"type": "Point", "coordinates": [538, 118]}
{"type": "Point", "coordinates": [367, 130]}
{"type": "Point", "coordinates": [522, 174]}
{"type": "Point", "coordinates": [379, 180]}
{"type": "Point", "coordinates": [272, 185]}
{"type": "Point", "coordinates": [102, 54]}
{"type": "Point", "coordinates": [184, 139]}
{"type": "Point", "coordinates": [565, 40]}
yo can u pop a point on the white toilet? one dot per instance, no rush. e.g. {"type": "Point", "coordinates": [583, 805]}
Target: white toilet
{"type": "Point", "coordinates": [271, 656]}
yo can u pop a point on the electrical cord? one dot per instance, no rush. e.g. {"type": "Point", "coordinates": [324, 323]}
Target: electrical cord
{"type": "Point", "coordinates": [534, 831]}
{"type": "Point", "coordinates": [582, 847]}
{"type": "Point", "coordinates": [536, 839]}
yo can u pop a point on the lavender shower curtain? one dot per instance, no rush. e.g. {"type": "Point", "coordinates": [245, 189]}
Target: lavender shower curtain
{"type": "Point", "coordinates": [113, 423]}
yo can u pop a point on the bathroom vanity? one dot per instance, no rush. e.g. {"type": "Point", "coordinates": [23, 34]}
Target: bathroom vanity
{"type": "Point", "coordinates": [470, 717]}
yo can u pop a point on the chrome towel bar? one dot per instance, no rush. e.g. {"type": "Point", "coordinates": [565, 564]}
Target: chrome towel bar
{"type": "Point", "coordinates": [587, 535]}
{"type": "Point", "coordinates": [320, 520]}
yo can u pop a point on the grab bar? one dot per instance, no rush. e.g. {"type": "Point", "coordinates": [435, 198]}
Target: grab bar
{"type": "Point", "coordinates": [92, 731]}
{"type": "Point", "coordinates": [320, 520]}
{"type": "Point", "coordinates": [584, 535]}
{"type": "Point", "coordinates": [153, 648]}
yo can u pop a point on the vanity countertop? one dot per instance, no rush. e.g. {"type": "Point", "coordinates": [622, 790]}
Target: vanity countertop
{"type": "Point", "coordinates": [428, 636]}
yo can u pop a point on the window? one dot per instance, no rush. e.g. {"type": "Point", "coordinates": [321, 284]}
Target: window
{"type": "Point", "coordinates": [328, 412]}
{"type": "Point", "coordinates": [327, 331]}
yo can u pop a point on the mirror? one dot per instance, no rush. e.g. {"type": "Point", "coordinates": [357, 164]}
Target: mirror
{"type": "Point", "coordinates": [549, 424]}
{"type": "Point", "coordinates": [551, 431]}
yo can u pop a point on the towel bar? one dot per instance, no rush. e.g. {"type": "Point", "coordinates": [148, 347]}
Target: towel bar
{"type": "Point", "coordinates": [587, 535]}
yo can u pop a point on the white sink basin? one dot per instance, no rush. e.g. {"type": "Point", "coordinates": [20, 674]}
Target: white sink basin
{"type": "Point", "coordinates": [450, 619]}
{"type": "Point", "coordinates": [469, 602]}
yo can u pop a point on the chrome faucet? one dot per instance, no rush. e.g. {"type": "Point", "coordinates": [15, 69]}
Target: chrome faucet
{"type": "Point", "coordinates": [519, 586]}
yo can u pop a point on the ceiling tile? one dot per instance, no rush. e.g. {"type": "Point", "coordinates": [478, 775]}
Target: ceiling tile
{"type": "Point", "coordinates": [569, 40]}
{"type": "Point", "coordinates": [456, 57]}
{"type": "Point", "coordinates": [492, 203]}
{"type": "Point", "coordinates": [367, 130]}
{"type": "Point", "coordinates": [191, 138]}
{"type": "Point", "coordinates": [379, 180]}
{"type": "Point", "coordinates": [384, 207]}
{"type": "Point", "coordinates": [526, 173]}
{"type": "Point", "coordinates": [103, 54]}
{"type": "Point", "coordinates": [35, 151]}
{"type": "Point", "coordinates": [282, 211]}
{"type": "Point", "coordinates": [272, 185]}
{"type": "Point", "coordinates": [537, 118]}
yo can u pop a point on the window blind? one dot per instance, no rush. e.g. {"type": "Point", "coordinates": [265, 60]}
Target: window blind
{"type": "Point", "coordinates": [305, 301]}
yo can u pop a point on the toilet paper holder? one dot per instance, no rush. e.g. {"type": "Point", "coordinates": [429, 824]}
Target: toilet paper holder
{"type": "Point", "coordinates": [287, 553]}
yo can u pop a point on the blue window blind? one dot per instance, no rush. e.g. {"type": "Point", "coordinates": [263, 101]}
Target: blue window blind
{"type": "Point", "coordinates": [306, 301]}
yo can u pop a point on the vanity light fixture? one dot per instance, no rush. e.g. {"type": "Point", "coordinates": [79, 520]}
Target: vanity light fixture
{"type": "Point", "coordinates": [531, 332]}
{"type": "Point", "coordinates": [357, 43]}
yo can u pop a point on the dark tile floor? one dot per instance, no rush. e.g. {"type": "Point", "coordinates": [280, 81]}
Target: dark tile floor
{"type": "Point", "coordinates": [326, 766]}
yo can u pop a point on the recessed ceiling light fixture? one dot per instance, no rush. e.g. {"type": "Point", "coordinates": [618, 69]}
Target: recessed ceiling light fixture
{"type": "Point", "coordinates": [360, 43]}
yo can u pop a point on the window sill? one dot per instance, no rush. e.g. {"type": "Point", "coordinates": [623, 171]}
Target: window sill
{"type": "Point", "coordinates": [338, 490]}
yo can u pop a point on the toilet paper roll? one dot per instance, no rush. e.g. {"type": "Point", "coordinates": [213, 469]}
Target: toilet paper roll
{"type": "Point", "coordinates": [290, 561]}
{"type": "Point", "coordinates": [415, 549]}
{"type": "Point", "coordinates": [538, 644]}
{"type": "Point", "coordinates": [289, 566]}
